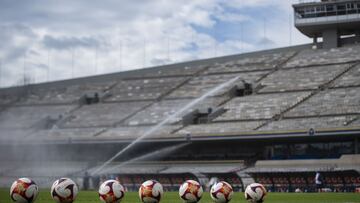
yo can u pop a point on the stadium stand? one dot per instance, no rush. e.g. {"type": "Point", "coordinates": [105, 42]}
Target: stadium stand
{"type": "Point", "coordinates": [170, 72]}
{"type": "Point", "coordinates": [290, 91]}
{"type": "Point", "coordinates": [198, 86]}
{"type": "Point", "coordinates": [158, 111]}
{"type": "Point", "coordinates": [143, 89]}
{"type": "Point", "coordinates": [329, 102]}
{"type": "Point", "coordinates": [288, 175]}
{"type": "Point", "coordinates": [68, 134]}
{"type": "Point", "coordinates": [131, 132]}
{"type": "Point", "coordinates": [307, 78]}
{"type": "Point", "coordinates": [218, 128]}
{"type": "Point", "coordinates": [290, 182]}
{"type": "Point", "coordinates": [259, 106]}
{"type": "Point", "coordinates": [310, 57]}
{"type": "Point", "coordinates": [310, 122]}
{"type": "Point", "coordinates": [64, 95]}
{"type": "Point", "coordinates": [349, 79]}
{"type": "Point", "coordinates": [248, 64]}
{"type": "Point", "coordinates": [105, 114]}
{"type": "Point", "coordinates": [32, 117]}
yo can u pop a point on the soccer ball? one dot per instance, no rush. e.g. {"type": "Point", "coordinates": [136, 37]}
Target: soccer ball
{"type": "Point", "coordinates": [221, 192]}
{"type": "Point", "coordinates": [111, 191]}
{"type": "Point", "coordinates": [24, 190]}
{"type": "Point", "coordinates": [64, 190]}
{"type": "Point", "coordinates": [255, 193]}
{"type": "Point", "coordinates": [151, 191]}
{"type": "Point", "coordinates": [190, 191]}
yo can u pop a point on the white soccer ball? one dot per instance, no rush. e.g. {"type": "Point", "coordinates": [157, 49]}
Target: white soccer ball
{"type": "Point", "coordinates": [151, 191]}
{"type": "Point", "coordinates": [24, 190]}
{"type": "Point", "coordinates": [190, 191]}
{"type": "Point", "coordinates": [221, 192]}
{"type": "Point", "coordinates": [255, 193]}
{"type": "Point", "coordinates": [111, 191]}
{"type": "Point", "coordinates": [64, 190]}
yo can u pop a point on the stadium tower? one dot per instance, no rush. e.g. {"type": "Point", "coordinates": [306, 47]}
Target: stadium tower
{"type": "Point", "coordinates": [329, 19]}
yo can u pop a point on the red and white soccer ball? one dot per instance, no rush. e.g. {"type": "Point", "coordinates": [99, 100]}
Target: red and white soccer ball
{"type": "Point", "coordinates": [255, 193]}
{"type": "Point", "coordinates": [111, 191]}
{"type": "Point", "coordinates": [64, 190]}
{"type": "Point", "coordinates": [24, 190]}
{"type": "Point", "coordinates": [221, 192]}
{"type": "Point", "coordinates": [190, 191]}
{"type": "Point", "coordinates": [151, 191]}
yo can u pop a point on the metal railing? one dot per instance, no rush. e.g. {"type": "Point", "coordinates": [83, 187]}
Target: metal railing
{"type": "Point", "coordinates": [328, 18]}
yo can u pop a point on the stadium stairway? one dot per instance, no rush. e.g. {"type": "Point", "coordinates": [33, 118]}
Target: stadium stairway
{"type": "Point", "coordinates": [277, 67]}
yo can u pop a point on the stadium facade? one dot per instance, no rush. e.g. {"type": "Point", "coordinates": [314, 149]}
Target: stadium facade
{"type": "Point", "coordinates": [292, 112]}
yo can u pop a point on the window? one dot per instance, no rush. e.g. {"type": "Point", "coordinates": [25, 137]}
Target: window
{"type": "Point", "coordinates": [329, 8]}
{"type": "Point", "coordinates": [350, 6]}
{"type": "Point", "coordinates": [341, 9]}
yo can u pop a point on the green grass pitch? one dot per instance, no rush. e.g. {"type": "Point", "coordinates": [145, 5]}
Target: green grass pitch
{"type": "Point", "coordinates": [173, 197]}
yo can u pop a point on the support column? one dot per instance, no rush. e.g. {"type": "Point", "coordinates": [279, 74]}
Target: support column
{"type": "Point", "coordinates": [357, 36]}
{"type": "Point", "coordinates": [315, 40]}
{"type": "Point", "coordinates": [330, 38]}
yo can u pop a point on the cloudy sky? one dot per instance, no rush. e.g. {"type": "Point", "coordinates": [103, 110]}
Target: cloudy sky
{"type": "Point", "coordinates": [49, 40]}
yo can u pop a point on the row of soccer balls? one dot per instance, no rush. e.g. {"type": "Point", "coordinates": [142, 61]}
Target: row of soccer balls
{"type": "Point", "coordinates": [64, 190]}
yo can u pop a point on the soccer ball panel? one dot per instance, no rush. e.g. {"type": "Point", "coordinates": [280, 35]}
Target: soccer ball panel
{"type": "Point", "coordinates": [24, 190]}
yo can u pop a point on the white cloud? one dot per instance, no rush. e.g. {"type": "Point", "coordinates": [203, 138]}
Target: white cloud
{"type": "Point", "coordinates": [232, 17]}
{"type": "Point", "coordinates": [108, 36]}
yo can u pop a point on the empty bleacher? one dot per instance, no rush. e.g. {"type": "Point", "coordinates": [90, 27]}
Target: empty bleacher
{"type": "Point", "coordinates": [308, 122]}
{"type": "Point", "coordinates": [355, 121]}
{"type": "Point", "coordinates": [65, 94]}
{"type": "Point", "coordinates": [133, 132]}
{"type": "Point", "coordinates": [143, 89]}
{"type": "Point", "coordinates": [261, 106]}
{"type": "Point", "coordinates": [329, 102]}
{"type": "Point", "coordinates": [219, 128]}
{"type": "Point", "coordinates": [337, 181]}
{"type": "Point", "coordinates": [66, 134]}
{"type": "Point", "coordinates": [169, 72]}
{"type": "Point", "coordinates": [161, 110]}
{"type": "Point", "coordinates": [309, 57]}
{"type": "Point", "coordinates": [104, 114]}
{"type": "Point", "coordinates": [31, 116]}
{"type": "Point", "coordinates": [259, 63]}
{"type": "Point", "coordinates": [288, 175]}
{"type": "Point", "coordinates": [349, 79]}
{"type": "Point", "coordinates": [43, 173]}
{"type": "Point", "coordinates": [307, 78]}
{"type": "Point", "coordinates": [200, 85]}
{"type": "Point", "coordinates": [345, 162]}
